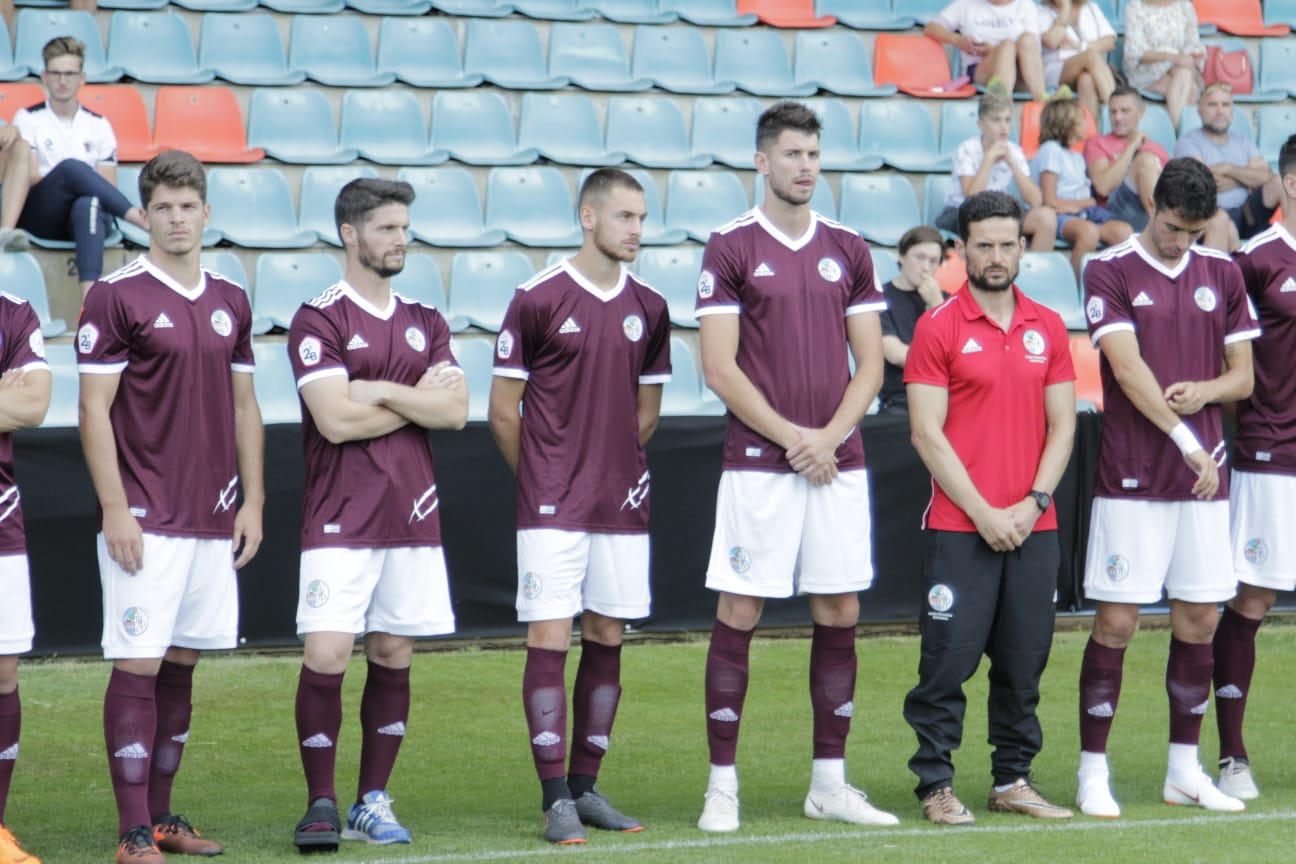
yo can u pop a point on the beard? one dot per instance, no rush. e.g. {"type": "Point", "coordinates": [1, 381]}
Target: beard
{"type": "Point", "coordinates": [979, 281]}
{"type": "Point", "coordinates": [614, 253]}
{"type": "Point", "coordinates": [372, 262]}
{"type": "Point", "coordinates": [786, 193]}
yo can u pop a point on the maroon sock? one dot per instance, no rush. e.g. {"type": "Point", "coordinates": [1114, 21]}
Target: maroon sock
{"type": "Point", "coordinates": [544, 698]}
{"type": "Point", "coordinates": [594, 705]}
{"type": "Point", "coordinates": [1234, 662]}
{"type": "Point", "coordinates": [1188, 680]}
{"type": "Point", "coordinates": [173, 696]}
{"type": "Point", "coordinates": [319, 719]}
{"type": "Point", "coordinates": [384, 711]}
{"type": "Point", "coordinates": [10, 724]}
{"type": "Point", "coordinates": [726, 690]}
{"type": "Point", "coordinates": [833, 665]}
{"type": "Point", "coordinates": [130, 725]}
{"type": "Point", "coordinates": [1100, 686]}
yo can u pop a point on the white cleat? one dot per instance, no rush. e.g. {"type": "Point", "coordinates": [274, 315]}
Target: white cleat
{"type": "Point", "coordinates": [1199, 791]}
{"type": "Point", "coordinates": [1236, 780]}
{"type": "Point", "coordinates": [1094, 798]}
{"type": "Point", "coordinates": [720, 812]}
{"type": "Point", "coordinates": [847, 804]}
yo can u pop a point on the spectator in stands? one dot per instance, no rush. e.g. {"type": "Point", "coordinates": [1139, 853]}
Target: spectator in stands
{"type": "Point", "coordinates": [992, 161]}
{"type": "Point", "coordinates": [911, 293]}
{"type": "Point", "coordinates": [1163, 53]}
{"type": "Point", "coordinates": [1060, 172]}
{"type": "Point", "coordinates": [996, 39]}
{"type": "Point", "coordinates": [15, 164]}
{"type": "Point", "coordinates": [73, 164]}
{"type": "Point", "coordinates": [1124, 164]}
{"type": "Point", "coordinates": [1076, 37]}
{"type": "Point", "coordinates": [1248, 190]}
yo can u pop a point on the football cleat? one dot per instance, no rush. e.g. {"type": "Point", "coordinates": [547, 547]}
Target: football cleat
{"type": "Point", "coordinates": [1094, 798]}
{"type": "Point", "coordinates": [1021, 797]}
{"type": "Point", "coordinates": [1236, 779]}
{"type": "Point", "coordinates": [373, 821]}
{"type": "Point", "coordinates": [944, 808]}
{"type": "Point", "coordinates": [173, 833]}
{"type": "Point", "coordinates": [1196, 790]}
{"type": "Point", "coordinates": [11, 852]}
{"type": "Point", "coordinates": [596, 811]}
{"type": "Point", "coordinates": [719, 811]}
{"type": "Point", "coordinates": [562, 824]}
{"type": "Point", "coordinates": [847, 804]}
{"type": "Point", "coordinates": [139, 847]}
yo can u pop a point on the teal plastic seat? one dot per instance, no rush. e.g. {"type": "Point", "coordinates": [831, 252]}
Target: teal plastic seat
{"type": "Point", "coordinates": [837, 61]}
{"type": "Point", "coordinates": [388, 127]}
{"type": "Point", "coordinates": [881, 207]}
{"type": "Point", "coordinates": [476, 127]}
{"type": "Point", "coordinates": [674, 273]}
{"type": "Point", "coordinates": [698, 202]}
{"type": "Point", "coordinates": [651, 132]}
{"type": "Point", "coordinates": [508, 54]}
{"type": "Point", "coordinates": [675, 59]}
{"type": "Point", "coordinates": [564, 128]}
{"type": "Point", "coordinates": [423, 52]}
{"type": "Point", "coordinates": [592, 56]}
{"type": "Point", "coordinates": [447, 208]}
{"type": "Point", "coordinates": [38, 26]}
{"type": "Point", "coordinates": [21, 276]}
{"type": "Point", "coordinates": [245, 49]}
{"type": "Point", "coordinates": [533, 206]}
{"type": "Point", "coordinates": [320, 185]}
{"type": "Point", "coordinates": [286, 280]}
{"type": "Point", "coordinates": [901, 133]}
{"type": "Point", "coordinates": [421, 281]}
{"type": "Point", "coordinates": [296, 126]}
{"type": "Point", "coordinates": [335, 50]}
{"type": "Point", "coordinates": [483, 283]}
{"type": "Point", "coordinates": [253, 208]}
{"type": "Point", "coordinates": [273, 382]}
{"type": "Point", "coordinates": [1047, 277]}
{"type": "Point", "coordinates": [725, 129]}
{"type": "Point", "coordinates": [154, 47]}
{"type": "Point", "coordinates": [757, 62]}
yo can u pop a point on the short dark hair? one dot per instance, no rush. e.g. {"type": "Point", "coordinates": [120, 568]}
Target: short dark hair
{"type": "Point", "coordinates": [920, 234]}
{"type": "Point", "coordinates": [364, 195]}
{"type": "Point", "coordinates": [1287, 156]}
{"type": "Point", "coordinates": [599, 183]}
{"type": "Point", "coordinates": [1187, 187]}
{"type": "Point", "coordinates": [785, 115]}
{"type": "Point", "coordinates": [172, 168]}
{"type": "Point", "coordinates": [1123, 90]}
{"type": "Point", "coordinates": [987, 205]}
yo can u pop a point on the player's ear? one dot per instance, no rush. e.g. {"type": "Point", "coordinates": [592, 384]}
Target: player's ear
{"type": "Point", "coordinates": [762, 163]}
{"type": "Point", "coordinates": [586, 215]}
{"type": "Point", "coordinates": [348, 232]}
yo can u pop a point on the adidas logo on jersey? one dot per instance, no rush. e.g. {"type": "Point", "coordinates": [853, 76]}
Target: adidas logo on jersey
{"type": "Point", "coordinates": [1103, 710]}
{"type": "Point", "coordinates": [132, 751]}
{"type": "Point", "coordinates": [599, 741]}
{"type": "Point", "coordinates": [1229, 691]}
{"type": "Point", "coordinates": [763, 270]}
{"type": "Point", "coordinates": [182, 738]}
{"type": "Point", "coordinates": [162, 321]}
{"type": "Point", "coordinates": [724, 715]}
{"type": "Point", "coordinates": [319, 741]}
{"type": "Point", "coordinates": [971, 347]}
{"type": "Point", "coordinates": [10, 753]}
{"type": "Point", "coordinates": [397, 729]}
{"type": "Point", "coordinates": [1142, 299]}
{"type": "Point", "coordinates": [569, 326]}
{"type": "Point", "coordinates": [1289, 286]}
{"type": "Point", "coordinates": [846, 710]}
{"type": "Point", "coordinates": [357, 342]}
{"type": "Point", "coordinates": [1201, 709]}
{"type": "Point", "coordinates": [546, 739]}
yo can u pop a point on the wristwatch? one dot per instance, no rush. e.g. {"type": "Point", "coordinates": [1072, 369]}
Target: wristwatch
{"type": "Point", "coordinates": [1042, 499]}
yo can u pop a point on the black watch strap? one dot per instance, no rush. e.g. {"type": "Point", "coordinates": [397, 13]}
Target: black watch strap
{"type": "Point", "coordinates": [1042, 499]}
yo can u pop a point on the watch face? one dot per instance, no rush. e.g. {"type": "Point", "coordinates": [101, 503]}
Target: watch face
{"type": "Point", "coordinates": [1042, 499]}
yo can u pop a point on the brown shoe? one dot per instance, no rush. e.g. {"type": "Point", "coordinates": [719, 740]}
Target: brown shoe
{"type": "Point", "coordinates": [174, 834]}
{"type": "Point", "coordinates": [1022, 798]}
{"type": "Point", "coordinates": [943, 808]}
{"type": "Point", "coordinates": [138, 847]}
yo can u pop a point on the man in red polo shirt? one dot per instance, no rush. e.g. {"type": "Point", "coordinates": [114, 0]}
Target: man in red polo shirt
{"type": "Point", "coordinates": [992, 407]}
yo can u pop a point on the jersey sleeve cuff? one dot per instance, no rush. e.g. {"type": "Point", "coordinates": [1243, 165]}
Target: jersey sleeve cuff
{"type": "Point", "coordinates": [877, 306]}
{"type": "Point", "coordinates": [35, 364]}
{"type": "Point", "coordinates": [656, 378]}
{"type": "Point", "coordinates": [101, 368]}
{"type": "Point", "coordinates": [717, 310]}
{"type": "Point", "coordinates": [519, 374]}
{"type": "Point", "coordinates": [249, 368]}
{"type": "Point", "coordinates": [1242, 336]}
{"type": "Point", "coordinates": [318, 374]}
{"type": "Point", "coordinates": [1098, 334]}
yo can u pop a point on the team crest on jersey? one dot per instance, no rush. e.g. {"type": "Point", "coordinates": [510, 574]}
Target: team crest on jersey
{"type": "Point", "coordinates": [829, 269]}
{"type": "Point", "coordinates": [414, 336]}
{"type": "Point", "coordinates": [221, 323]}
{"type": "Point", "coordinates": [1205, 299]}
{"type": "Point", "coordinates": [87, 336]}
{"type": "Point", "coordinates": [739, 559]}
{"type": "Point", "coordinates": [309, 351]}
{"type": "Point", "coordinates": [1256, 551]}
{"type": "Point", "coordinates": [531, 585]}
{"type": "Point", "coordinates": [317, 593]}
{"type": "Point", "coordinates": [706, 284]}
{"type": "Point", "coordinates": [134, 621]}
{"type": "Point", "coordinates": [940, 600]}
{"type": "Point", "coordinates": [634, 327]}
{"type": "Point", "coordinates": [504, 345]}
{"type": "Point", "coordinates": [1033, 342]}
{"type": "Point", "coordinates": [1117, 568]}
{"type": "Point", "coordinates": [1094, 309]}
{"type": "Point", "coordinates": [37, 343]}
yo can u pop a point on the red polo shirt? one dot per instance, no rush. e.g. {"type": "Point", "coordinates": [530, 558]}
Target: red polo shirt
{"type": "Point", "coordinates": [996, 382]}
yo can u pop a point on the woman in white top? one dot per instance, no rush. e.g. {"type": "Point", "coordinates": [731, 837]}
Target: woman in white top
{"type": "Point", "coordinates": [1163, 53]}
{"type": "Point", "coordinates": [1076, 37]}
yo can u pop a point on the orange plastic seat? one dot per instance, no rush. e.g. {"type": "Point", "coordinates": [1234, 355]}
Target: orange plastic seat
{"type": "Point", "coordinates": [1088, 381]}
{"type": "Point", "coordinates": [785, 13]}
{"type": "Point", "coordinates": [206, 121]}
{"type": "Point", "coordinates": [1239, 17]}
{"type": "Point", "coordinates": [20, 95]}
{"type": "Point", "coordinates": [917, 65]}
{"type": "Point", "coordinates": [952, 274]}
{"type": "Point", "coordinates": [124, 107]}
{"type": "Point", "coordinates": [1277, 217]}
{"type": "Point", "coordinates": [1030, 128]}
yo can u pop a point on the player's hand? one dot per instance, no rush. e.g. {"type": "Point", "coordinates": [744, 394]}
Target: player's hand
{"type": "Point", "coordinates": [247, 533]}
{"type": "Point", "coordinates": [1186, 397]}
{"type": "Point", "coordinates": [1024, 515]}
{"type": "Point", "coordinates": [814, 455]}
{"type": "Point", "coordinates": [13, 378]}
{"type": "Point", "coordinates": [124, 538]}
{"type": "Point", "coordinates": [137, 217]}
{"type": "Point", "coordinates": [997, 152]}
{"type": "Point", "coordinates": [1207, 474]}
{"type": "Point", "coordinates": [998, 528]}
{"type": "Point", "coordinates": [930, 291]}
{"type": "Point", "coordinates": [442, 376]}
{"type": "Point", "coordinates": [366, 392]}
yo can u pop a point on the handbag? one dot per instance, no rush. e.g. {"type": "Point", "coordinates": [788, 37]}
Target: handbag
{"type": "Point", "coordinates": [1229, 67]}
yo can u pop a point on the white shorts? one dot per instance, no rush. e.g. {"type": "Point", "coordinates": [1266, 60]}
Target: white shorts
{"type": "Point", "coordinates": [561, 573]}
{"type": "Point", "coordinates": [1138, 547]}
{"type": "Point", "coordinates": [185, 595]}
{"type": "Point", "coordinates": [1261, 507]}
{"type": "Point", "coordinates": [403, 591]}
{"type": "Point", "coordinates": [777, 535]}
{"type": "Point", "coordinates": [16, 628]}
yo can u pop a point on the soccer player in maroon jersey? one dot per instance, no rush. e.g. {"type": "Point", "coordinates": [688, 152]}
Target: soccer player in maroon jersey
{"type": "Point", "coordinates": [24, 398]}
{"type": "Point", "coordinates": [171, 429]}
{"type": "Point", "coordinates": [1262, 489]}
{"type": "Point", "coordinates": [784, 297]}
{"type": "Point", "coordinates": [992, 406]}
{"type": "Point", "coordinates": [374, 371]}
{"type": "Point", "coordinates": [1174, 325]}
{"type": "Point", "coordinates": [585, 346]}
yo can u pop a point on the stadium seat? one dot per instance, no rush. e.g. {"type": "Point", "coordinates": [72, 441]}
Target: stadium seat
{"type": "Point", "coordinates": [483, 283]}
{"type": "Point", "coordinates": [924, 10]}
{"type": "Point", "coordinates": [245, 49]}
{"type": "Point", "coordinates": [865, 14]}
{"type": "Point", "coordinates": [137, 5]}
{"type": "Point", "coordinates": [447, 208]}
{"type": "Point", "coordinates": [708, 13]}
{"type": "Point", "coordinates": [886, 266]}
{"type": "Point", "coordinates": [917, 65]}
{"type": "Point", "coordinates": [1280, 12]}
{"type": "Point", "coordinates": [1278, 66]}
{"type": "Point", "coordinates": [37, 26]}
{"type": "Point", "coordinates": [387, 126]}
{"type": "Point", "coordinates": [698, 202]}
{"type": "Point", "coordinates": [391, 7]}
{"type": "Point", "coordinates": [154, 47]}
{"type": "Point", "coordinates": [1084, 356]}
{"type": "Point", "coordinates": [284, 281]}
{"type": "Point", "coordinates": [124, 107]}
{"type": "Point", "coordinates": [785, 13]}
{"type": "Point", "coordinates": [423, 52]}
{"type": "Point", "coordinates": [276, 390]}
{"type": "Point", "coordinates": [1276, 124]}
{"type": "Point", "coordinates": [21, 276]}
{"type": "Point", "coordinates": [757, 61]}
{"type": "Point", "coordinates": [682, 393]}
{"type": "Point", "coordinates": [1030, 128]}
{"type": "Point", "coordinates": [655, 232]}
{"type": "Point", "coordinates": [305, 7]}
{"type": "Point", "coordinates": [821, 200]}
{"type": "Point", "coordinates": [9, 70]}
{"type": "Point", "coordinates": [836, 61]}
{"type": "Point", "coordinates": [555, 10]}
{"type": "Point", "coordinates": [1190, 120]}
{"type": "Point", "coordinates": [295, 126]}
{"type": "Point", "coordinates": [881, 207]}
{"type": "Point", "coordinates": [421, 280]}
{"type": "Point", "coordinates": [592, 56]}
{"type": "Point", "coordinates": [901, 133]}
{"type": "Point", "coordinates": [474, 8]}
{"type": "Point", "coordinates": [225, 263]}
{"type": "Point", "coordinates": [217, 5]}
{"type": "Point", "coordinates": [674, 273]}
{"type": "Point", "coordinates": [20, 94]}
{"type": "Point", "coordinates": [557, 256]}
{"type": "Point", "coordinates": [335, 51]}
{"type": "Point", "coordinates": [634, 11]}
{"type": "Point", "coordinates": [476, 127]}
{"type": "Point", "coordinates": [128, 185]}
{"type": "Point", "coordinates": [65, 389]}
{"type": "Point", "coordinates": [320, 185]}
{"type": "Point", "coordinates": [725, 129]}
{"type": "Point", "coordinates": [206, 121]}
{"type": "Point", "coordinates": [508, 54]}
{"type": "Point", "coordinates": [838, 148]}
{"type": "Point", "coordinates": [533, 206]}
{"type": "Point", "coordinates": [1047, 278]}
{"type": "Point", "coordinates": [1239, 17]}
{"type": "Point", "coordinates": [934, 188]}
{"type": "Point", "coordinates": [650, 132]}
{"type": "Point", "coordinates": [476, 356]}
{"type": "Point", "coordinates": [253, 208]}
{"type": "Point", "coordinates": [1258, 93]}
{"type": "Point", "coordinates": [114, 238]}
{"type": "Point", "coordinates": [675, 59]}
{"type": "Point", "coordinates": [952, 274]}
{"type": "Point", "coordinates": [564, 128]}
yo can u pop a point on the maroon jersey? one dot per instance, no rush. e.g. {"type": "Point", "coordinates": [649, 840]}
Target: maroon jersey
{"type": "Point", "coordinates": [379, 492]}
{"type": "Point", "coordinates": [583, 352]}
{"type": "Point", "coordinates": [1183, 317]}
{"type": "Point", "coordinates": [173, 416]}
{"type": "Point", "coordinates": [21, 347]}
{"type": "Point", "coordinates": [1266, 421]}
{"type": "Point", "coordinates": [792, 296]}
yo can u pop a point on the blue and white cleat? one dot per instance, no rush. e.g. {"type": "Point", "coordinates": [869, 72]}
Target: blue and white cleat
{"type": "Point", "coordinates": [372, 821]}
